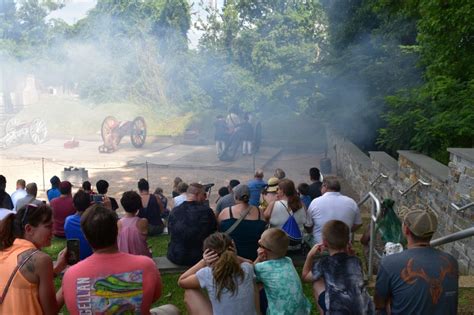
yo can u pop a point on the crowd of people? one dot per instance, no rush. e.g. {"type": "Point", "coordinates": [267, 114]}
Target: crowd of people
{"type": "Point", "coordinates": [238, 251]}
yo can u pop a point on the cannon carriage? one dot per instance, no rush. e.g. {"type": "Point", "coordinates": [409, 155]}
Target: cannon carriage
{"type": "Point", "coordinates": [113, 130]}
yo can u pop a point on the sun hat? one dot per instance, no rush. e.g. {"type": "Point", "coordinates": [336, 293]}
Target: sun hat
{"type": "Point", "coordinates": [272, 185]}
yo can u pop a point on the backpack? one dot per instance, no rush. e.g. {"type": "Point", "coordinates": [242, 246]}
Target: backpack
{"type": "Point", "coordinates": [292, 229]}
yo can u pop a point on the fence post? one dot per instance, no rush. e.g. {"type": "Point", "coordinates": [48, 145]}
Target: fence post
{"type": "Point", "coordinates": [42, 168]}
{"type": "Point", "coordinates": [146, 165]}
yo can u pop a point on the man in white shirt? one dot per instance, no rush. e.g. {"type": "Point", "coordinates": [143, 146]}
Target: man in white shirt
{"type": "Point", "coordinates": [19, 193]}
{"type": "Point", "coordinates": [332, 205]}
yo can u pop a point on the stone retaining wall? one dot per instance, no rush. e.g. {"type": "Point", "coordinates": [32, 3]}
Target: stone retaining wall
{"type": "Point", "coordinates": [453, 184]}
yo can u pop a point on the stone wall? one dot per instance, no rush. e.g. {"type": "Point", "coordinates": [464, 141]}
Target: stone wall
{"type": "Point", "coordinates": [453, 184]}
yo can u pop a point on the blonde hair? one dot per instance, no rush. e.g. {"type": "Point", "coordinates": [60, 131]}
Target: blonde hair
{"type": "Point", "coordinates": [226, 268]}
{"type": "Point", "coordinates": [276, 241]}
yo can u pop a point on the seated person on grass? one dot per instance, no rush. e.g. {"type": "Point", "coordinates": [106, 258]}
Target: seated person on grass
{"type": "Point", "coordinates": [132, 230]}
{"type": "Point", "coordinates": [110, 281]}
{"type": "Point", "coordinates": [338, 280]}
{"type": "Point", "coordinates": [72, 225]}
{"type": "Point", "coordinates": [188, 225]}
{"type": "Point", "coordinates": [228, 279]}
{"type": "Point", "coordinates": [278, 275]}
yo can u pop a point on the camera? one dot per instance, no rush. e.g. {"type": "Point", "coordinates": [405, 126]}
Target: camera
{"type": "Point", "coordinates": [207, 187]}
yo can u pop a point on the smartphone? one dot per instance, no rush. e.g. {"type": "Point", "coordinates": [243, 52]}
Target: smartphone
{"type": "Point", "coordinates": [73, 251]}
{"type": "Point", "coordinates": [97, 198]}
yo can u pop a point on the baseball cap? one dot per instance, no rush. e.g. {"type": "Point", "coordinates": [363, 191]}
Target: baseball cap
{"type": "Point", "coordinates": [272, 185]}
{"type": "Point", "coordinates": [65, 185]}
{"type": "Point", "coordinates": [240, 191]}
{"type": "Point", "coordinates": [422, 223]}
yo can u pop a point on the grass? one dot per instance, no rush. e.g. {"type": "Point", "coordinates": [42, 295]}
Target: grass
{"type": "Point", "coordinates": [173, 294]}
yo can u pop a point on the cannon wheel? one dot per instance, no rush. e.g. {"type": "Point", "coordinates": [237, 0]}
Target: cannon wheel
{"type": "Point", "coordinates": [38, 131]}
{"type": "Point", "coordinates": [257, 141]}
{"type": "Point", "coordinates": [11, 125]}
{"type": "Point", "coordinates": [108, 125]}
{"type": "Point", "coordinates": [138, 132]}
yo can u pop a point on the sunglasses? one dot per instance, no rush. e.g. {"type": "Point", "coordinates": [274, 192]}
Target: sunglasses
{"type": "Point", "coordinates": [263, 246]}
{"type": "Point", "coordinates": [25, 214]}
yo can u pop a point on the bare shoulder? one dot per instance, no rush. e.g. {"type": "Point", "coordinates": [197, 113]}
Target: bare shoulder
{"type": "Point", "coordinates": [36, 263]}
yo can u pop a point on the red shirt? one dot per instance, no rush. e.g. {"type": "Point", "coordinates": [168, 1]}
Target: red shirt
{"type": "Point", "coordinates": [62, 208]}
{"type": "Point", "coordinates": [112, 283]}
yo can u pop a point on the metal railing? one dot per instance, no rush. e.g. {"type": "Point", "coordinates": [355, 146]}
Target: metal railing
{"type": "Point", "coordinates": [374, 215]}
{"type": "Point", "coordinates": [424, 183]}
{"type": "Point", "coordinates": [458, 209]}
{"type": "Point", "coordinates": [453, 237]}
{"type": "Point", "coordinates": [381, 175]}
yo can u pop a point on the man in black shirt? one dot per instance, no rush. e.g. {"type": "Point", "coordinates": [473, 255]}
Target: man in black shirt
{"type": "Point", "coordinates": [315, 186]}
{"type": "Point", "coordinates": [188, 225]}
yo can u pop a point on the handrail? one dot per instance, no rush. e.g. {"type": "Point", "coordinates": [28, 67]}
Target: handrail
{"type": "Point", "coordinates": [374, 215]}
{"type": "Point", "coordinates": [413, 186]}
{"type": "Point", "coordinates": [381, 175]}
{"type": "Point", "coordinates": [453, 237]}
{"type": "Point", "coordinates": [458, 209]}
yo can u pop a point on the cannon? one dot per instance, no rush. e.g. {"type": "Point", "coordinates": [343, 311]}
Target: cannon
{"type": "Point", "coordinates": [17, 132]}
{"type": "Point", "coordinates": [112, 132]}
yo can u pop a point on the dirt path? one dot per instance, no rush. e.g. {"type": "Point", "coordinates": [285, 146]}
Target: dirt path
{"type": "Point", "coordinates": [296, 166]}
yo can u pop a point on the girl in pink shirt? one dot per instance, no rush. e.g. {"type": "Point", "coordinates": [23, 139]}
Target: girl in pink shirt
{"type": "Point", "coordinates": [132, 230]}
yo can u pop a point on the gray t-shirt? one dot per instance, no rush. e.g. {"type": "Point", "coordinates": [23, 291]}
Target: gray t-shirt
{"type": "Point", "coordinates": [225, 202]}
{"type": "Point", "coordinates": [419, 281]}
{"type": "Point", "coordinates": [241, 302]}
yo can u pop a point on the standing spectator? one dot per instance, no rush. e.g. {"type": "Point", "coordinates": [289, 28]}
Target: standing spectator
{"type": "Point", "coordinates": [248, 231]}
{"type": "Point", "coordinates": [189, 224]}
{"type": "Point", "coordinates": [176, 181]}
{"type": "Point", "coordinates": [63, 207]}
{"type": "Point", "coordinates": [256, 185]}
{"type": "Point", "coordinates": [30, 198]}
{"type": "Point", "coordinates": [181, 189]}
{"type": "Point", "coordinates": [278, 275]}
{"type": "Point", "coordinates": [220, 134]}
{"type": "Point", "coordinates": [288, 203]}
{"type": "Point", "coordinates": [303, 191]}
{"type": "Point", "coordinates": [421, 279]}
{"type": "Point", "coordinates": [332, 205]}
{"type": "Point", "coordinates": [279, 173]}
{"type": "Point", "coordinates": [5, 199]}
{"type": "Point", "coordinates": [338, 279]}
{"type": "Point", "coordinates": [102, 189]}
{"type": "Point", "coordinates": [22, 236]}
{"type": "Point", "coordinates": [132, 230]}
{"type": "Point", "coordinates": [54, 192]}
{"type": "Point", "coordinates": [315, 186]}
{"type": "Point", "coordinates": [227, 200]}
{"type": "Point", "coordinates": [229, 281]}
{"type": "Point", "coordinates": [72, 225]}
{"type": "Point", "coordinates": [19, 193]}
{"type": "Point", "coordinates": [109, 281]}
{"type": "Point", "coordinates": [247, 135]}
{"type": "Point", "coordinates": [151, 209]}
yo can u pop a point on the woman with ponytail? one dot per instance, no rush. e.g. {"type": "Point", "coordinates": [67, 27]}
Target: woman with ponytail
{"type": "Point", "coordinates": [247, 232]}
{"type": "Point", "coordinates": [228, 279]}
{"type": "Point", "coordinates": [26, 273]}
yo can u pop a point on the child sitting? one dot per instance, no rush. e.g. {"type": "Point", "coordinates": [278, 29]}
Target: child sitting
{"type": "Point", "coordinates": [228, 279]}
{"type": "Point", "coordinates": [280, 280]}
{"type": "Point", "coordinates": [338, 282]}
{"type": "Point", "coordinates": [303, 191]}
{"type": "Point", "coordinates": [132, 230]}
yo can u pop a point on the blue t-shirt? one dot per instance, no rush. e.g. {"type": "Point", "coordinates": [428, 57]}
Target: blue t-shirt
{"type": "Point", "coordinates": [420, 280]}
{"type": "Point", "coordinates": [306, 200]}
{"type": "Point", "coordinates": [72, 229]}
{"type": "Point", "coordinates": [53, 193]}
{"type": "Point", "coordinates": [255, 187]}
